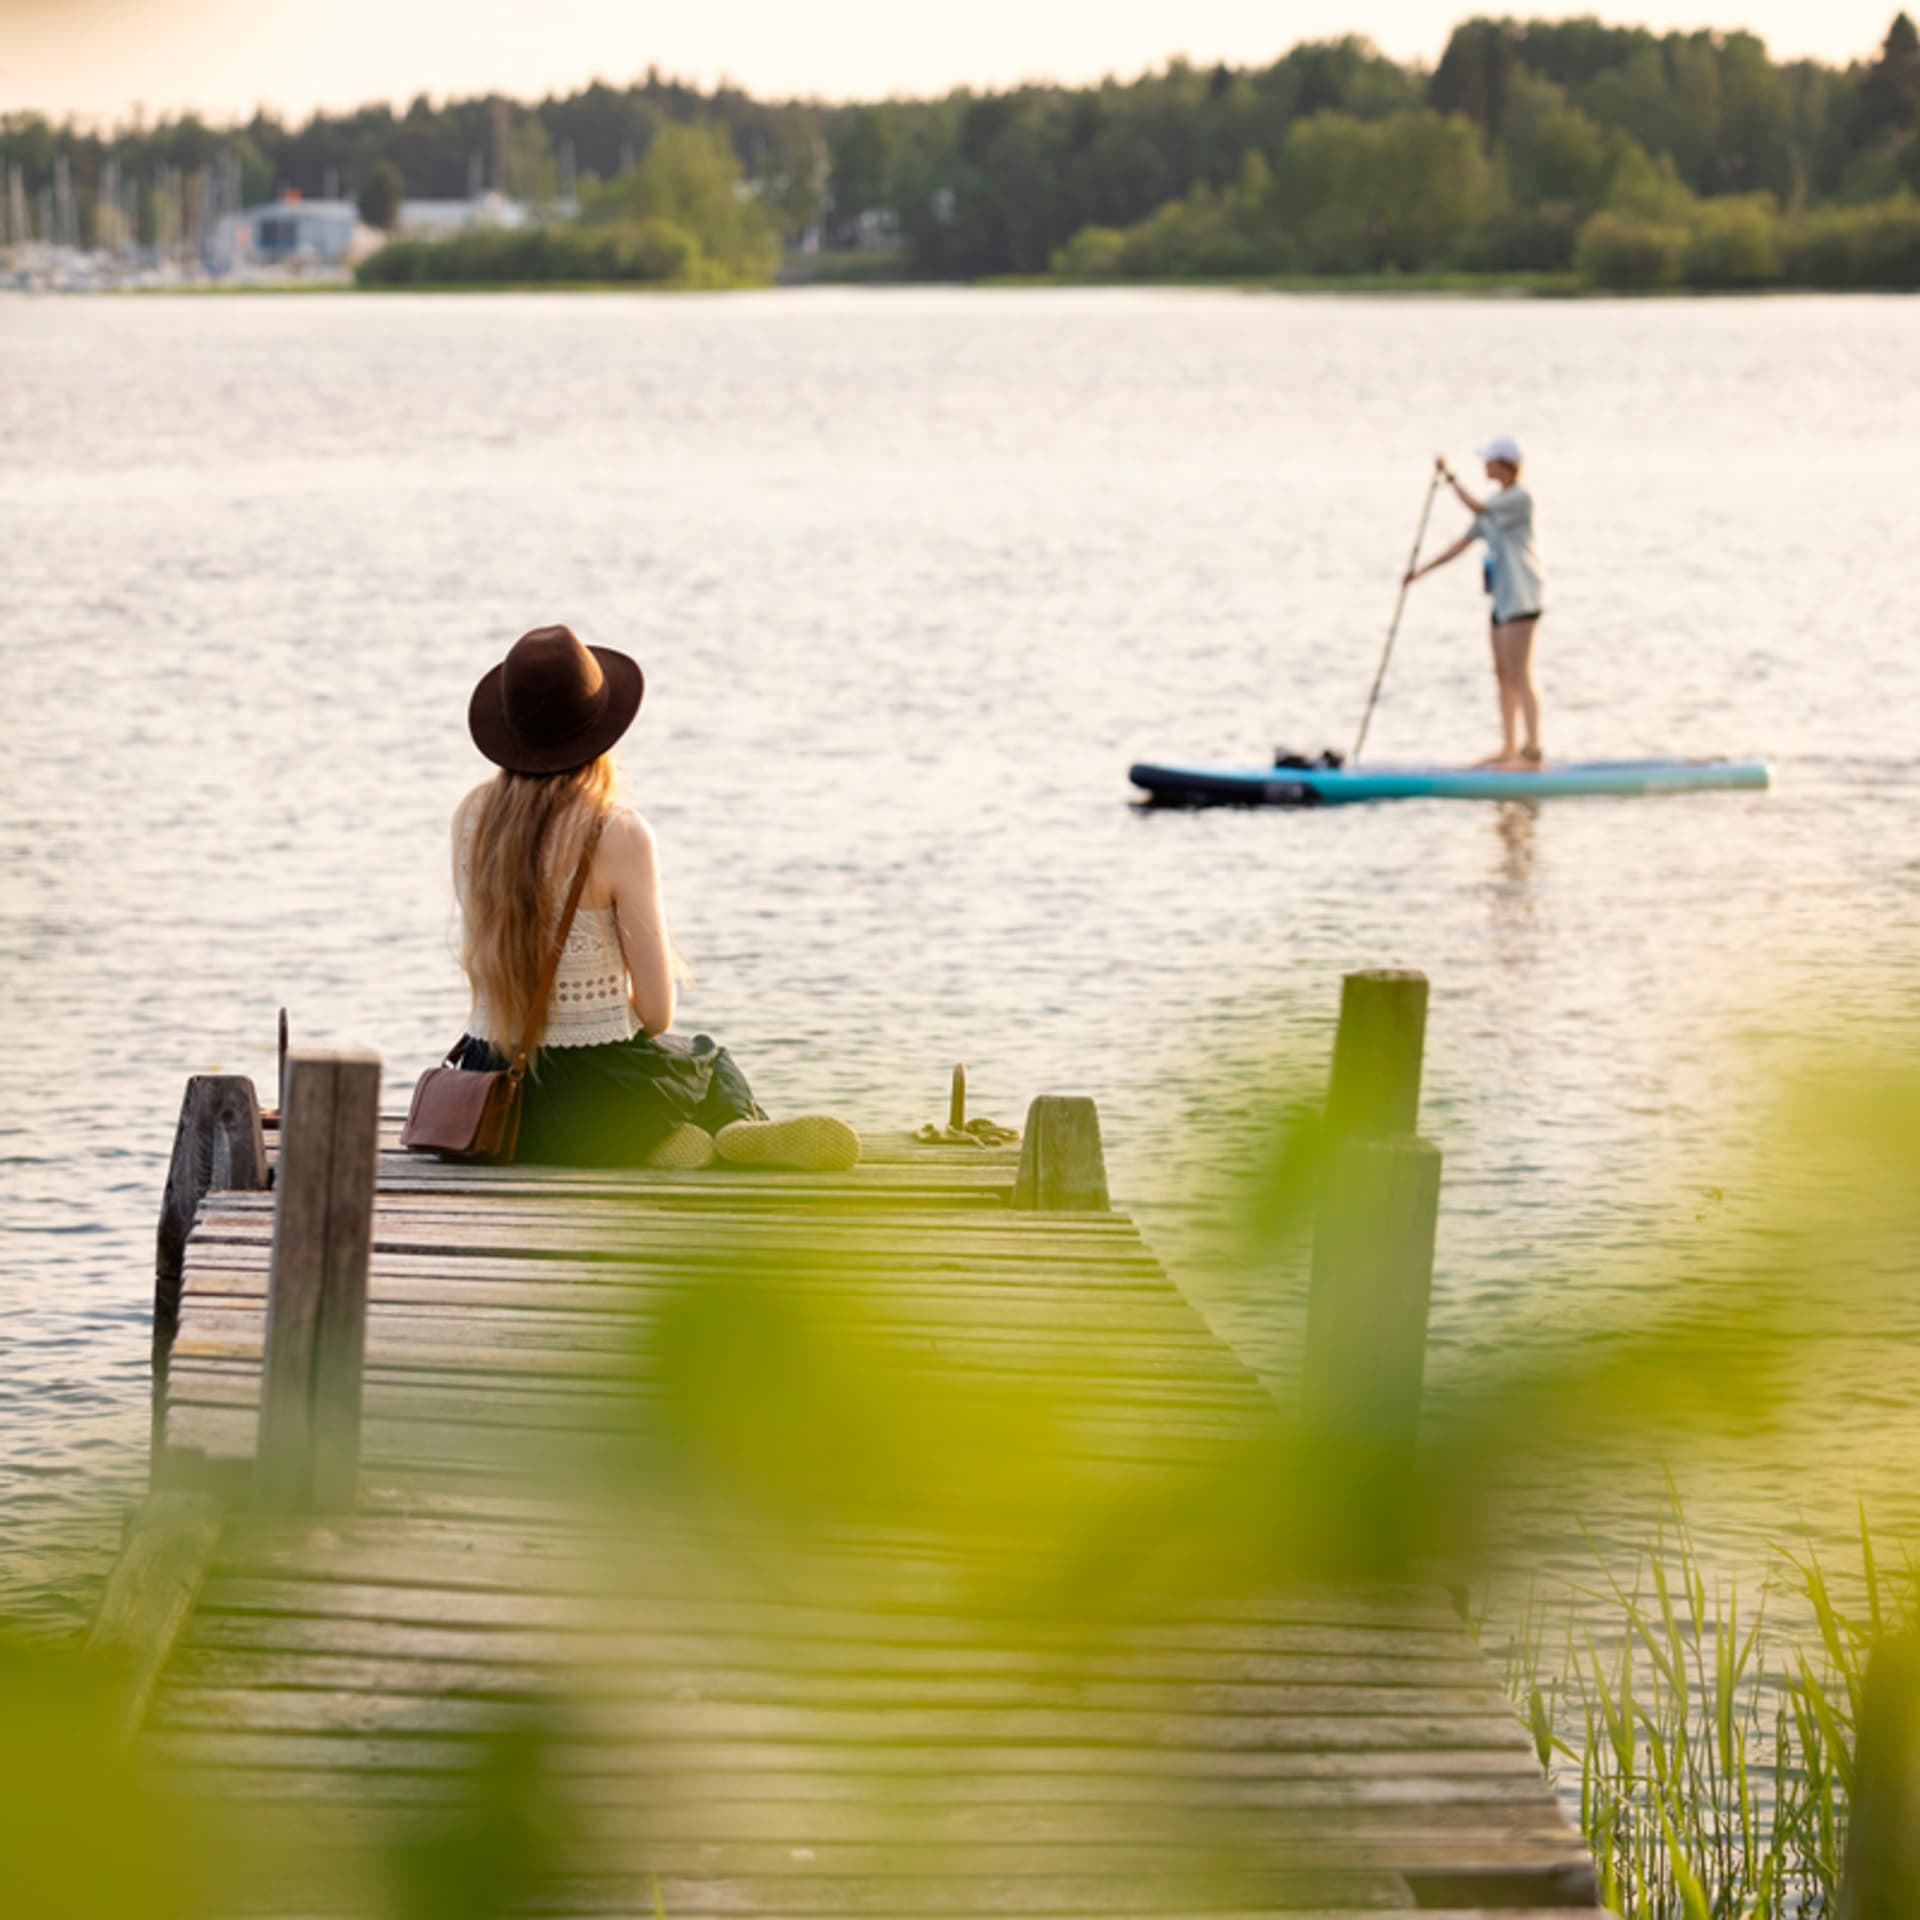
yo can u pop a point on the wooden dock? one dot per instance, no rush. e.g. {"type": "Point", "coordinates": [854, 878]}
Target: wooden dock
{"type": "Point", "coordinates": [517, 1599]}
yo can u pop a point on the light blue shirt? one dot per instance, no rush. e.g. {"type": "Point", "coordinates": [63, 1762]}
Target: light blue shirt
{"type": "Point", "coordinates": [1518, 575]}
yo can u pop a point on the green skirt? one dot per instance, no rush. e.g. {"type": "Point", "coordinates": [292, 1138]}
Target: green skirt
{"type": "Point", "coordinates": [610, 1106]}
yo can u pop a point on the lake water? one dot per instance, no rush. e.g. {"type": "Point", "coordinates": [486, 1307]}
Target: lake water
{"type": "Point", "coordinates": [914, 575]}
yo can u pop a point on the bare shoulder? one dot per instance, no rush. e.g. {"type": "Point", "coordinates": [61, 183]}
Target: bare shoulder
{"type": "Point", "coordinates": [627, 847]}
{"type": "Point", "coordinates": [627, 832]}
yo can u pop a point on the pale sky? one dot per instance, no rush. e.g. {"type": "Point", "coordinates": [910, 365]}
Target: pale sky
{"type": "Point", "coordinates": [97, 58]}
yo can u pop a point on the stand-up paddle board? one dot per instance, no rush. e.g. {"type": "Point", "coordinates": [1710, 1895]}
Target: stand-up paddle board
{"type": "Point", "coordinates": [1334, 786]}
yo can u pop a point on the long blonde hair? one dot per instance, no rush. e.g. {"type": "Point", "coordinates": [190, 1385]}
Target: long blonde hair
{"type": "Point", "coordinates": [527, 830]}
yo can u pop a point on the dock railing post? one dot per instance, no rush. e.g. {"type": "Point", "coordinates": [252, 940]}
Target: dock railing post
{"type": "Point", "coordinates": [1881, 1880]}
{"type": "Point", "coordinates": [1378, 1051]}
{"type": "Point", "coordinates": [218, 1144]}
{"type": "Point", "coordinates": [1063, 1168]}
{"type": "Point", "coordinates": [310, 1376]}
{"type": "Point", "coordinates": [1372, 1278]}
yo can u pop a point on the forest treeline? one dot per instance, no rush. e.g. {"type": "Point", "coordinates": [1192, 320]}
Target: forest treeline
{"type": "Point", "coordinates": [1610, 154]}
{"type": "Point", "coordinates": [1621, 155]}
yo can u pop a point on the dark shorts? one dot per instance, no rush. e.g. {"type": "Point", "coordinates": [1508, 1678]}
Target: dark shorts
{"type": "Point", "coordinates": [1518, 620]}
{"type": "Point", "coordinates": [611, 1106]}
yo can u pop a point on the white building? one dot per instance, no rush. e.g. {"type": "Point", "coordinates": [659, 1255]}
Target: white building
{"type": "Point", "coordinates": [295, 235]}
{"type": "Point", "coordinates": [440, 219]}
{"type": "Point", "coordinates": [289, 233]}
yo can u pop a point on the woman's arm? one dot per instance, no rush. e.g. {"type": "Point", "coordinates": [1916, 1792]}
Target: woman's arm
{"type": "Point", "coordinates": [633, 877]}
{"type": "Point", "coordinates": [1453, 480]}
{"type": "Point", "coordinates": [1441, 558]}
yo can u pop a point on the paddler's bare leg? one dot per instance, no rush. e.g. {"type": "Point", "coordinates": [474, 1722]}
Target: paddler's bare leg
{"type": "Point", "coordinates": [1513, 649]}
{"type": "Point", "coordinates": [1509, 754]}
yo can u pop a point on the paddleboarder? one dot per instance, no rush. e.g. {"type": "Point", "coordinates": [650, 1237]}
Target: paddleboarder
{"type": "Point", "coordinates": [1517, 582]}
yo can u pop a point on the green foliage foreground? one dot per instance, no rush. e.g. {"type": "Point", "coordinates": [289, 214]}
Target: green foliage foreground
{"type": "Point", "coordinates": [773, 1406]}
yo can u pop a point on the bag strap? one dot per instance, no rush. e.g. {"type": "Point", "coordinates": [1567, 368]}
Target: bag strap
{"type": "Point", "coordinates": [537, 1012]}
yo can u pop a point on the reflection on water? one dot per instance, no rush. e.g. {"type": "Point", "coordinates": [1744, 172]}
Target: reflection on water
{"type": "Point", "coordinates": [914, 577]}
{"type": "Point", "coordinates": [1516, 825]}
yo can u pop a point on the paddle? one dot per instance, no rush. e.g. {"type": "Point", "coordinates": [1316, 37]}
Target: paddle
{"type": "Point", "coordinates": [1399, 607]}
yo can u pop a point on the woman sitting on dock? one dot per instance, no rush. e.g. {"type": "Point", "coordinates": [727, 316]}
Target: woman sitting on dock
{"type": "Point", "coordinates": [1517, 582]}
{"type": "Point", "coordinates": [608, 1087]}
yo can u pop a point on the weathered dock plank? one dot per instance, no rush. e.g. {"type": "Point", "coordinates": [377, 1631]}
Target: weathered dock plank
{"type": "Point", "coordinates": [170, 1539]}
{"type": "Point", "coordinates": [886, 1708]}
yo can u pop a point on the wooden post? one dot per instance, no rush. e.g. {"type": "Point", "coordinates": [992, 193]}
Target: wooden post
{"type": "Point", "coordinates": [1062, 1166]}
{"type": "Point", "coordinates": [957, 1101]}
{"type": "Point", "coordinates": [1882, 1877]}
{"type": "Point", "coordinates": [1367, 1340]}
{"type": "Point", "coordinates": [310, 1380]}
{"type": "Point", "coordinates": [1367, 1307]}
{"type": "Point", "coordinates": [1375, 1088]}
{"type": "Point", "coordinates": [218, 1143]}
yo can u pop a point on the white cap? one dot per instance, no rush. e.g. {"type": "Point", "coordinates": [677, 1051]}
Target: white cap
{"type": "Point", "coordinates": [1502, 446]}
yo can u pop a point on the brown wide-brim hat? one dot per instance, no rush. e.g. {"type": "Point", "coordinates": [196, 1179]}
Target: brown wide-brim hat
{"type": "Point", "coordinates": [554, 703]}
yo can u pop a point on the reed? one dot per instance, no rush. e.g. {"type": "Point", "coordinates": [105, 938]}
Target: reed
{"type": "Point", "coordinates": [1711, 1752]}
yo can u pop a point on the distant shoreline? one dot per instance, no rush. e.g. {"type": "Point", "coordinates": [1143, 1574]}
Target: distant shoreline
{"type": "Point", "coordinates": [1490, 286]}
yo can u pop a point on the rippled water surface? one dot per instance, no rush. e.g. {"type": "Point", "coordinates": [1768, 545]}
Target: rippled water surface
{"type": "Point", "coordinates": [914, 576]}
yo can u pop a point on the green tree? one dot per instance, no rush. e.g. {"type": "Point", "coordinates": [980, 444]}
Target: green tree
{"type": "Point", "coordinates": [1553, 152]}
{"type": "Point", "coordinates": [691, 179]}
{"type": "Point", "coordinates": [608, 127]}
{"type": "Point", "coordinates": [1755, 143]}
{"type": "Point", "coordinates": [1643, 188]}
{"type": "Point", "coordinates": [1734, 241]}
{"type": "Point", "coordinates": [533, 174]}
{"type": "Point", "coordinates": [1437, 185]}
{"type": "Point", "coordinates": [1618, 250]}
{"type": "Point", "coordinates": [1475, 73]}
{"type": "Point", "coordinates": [863, 153]}
{"type": "Point", "coordinates": [1890, 92]}
{"type": "Point", "coordinates": [1402, 193]}
{"type": "Point", "coordinates": [381, 193]}
{"type": "Point", "coordinates": [1348, 75]}
{"type": "Point", "coordinates": [793, 175]}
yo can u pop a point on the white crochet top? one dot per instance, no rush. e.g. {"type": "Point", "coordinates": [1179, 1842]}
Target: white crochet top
{"type": "Point", "coordinates": [590, 1006]}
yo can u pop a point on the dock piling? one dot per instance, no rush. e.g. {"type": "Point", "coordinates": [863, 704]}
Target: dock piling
{"type": "Point", "coordinates": [1367, 1334]}
{"type": "Point", "coordinates": [1377, 1052]}
{"type": "Point", "coordinates": [217, 1144]}
{"type": "Point", "coordinates": [310, 1391]}
{"type": "Point", "coordinates": [1372, 1275]}
{"type": "Point", "coordinates": [1063, 1168]}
